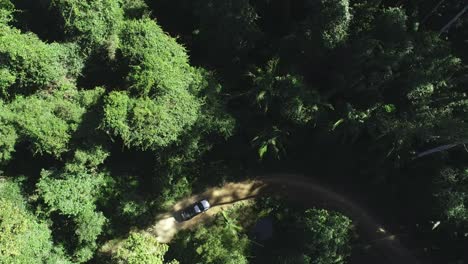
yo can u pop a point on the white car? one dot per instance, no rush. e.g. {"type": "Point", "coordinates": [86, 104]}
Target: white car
{"type": "Point", "coordinates": [194, 209]}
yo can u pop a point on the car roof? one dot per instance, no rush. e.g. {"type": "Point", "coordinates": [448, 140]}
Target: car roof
{"type": "Point", "coordinates": [205, 203]}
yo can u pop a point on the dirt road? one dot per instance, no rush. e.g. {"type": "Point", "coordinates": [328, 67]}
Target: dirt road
{"type": "Point", "coordinates": [220, 198]}
{"type": "Point", "coordinates": [295, 188]}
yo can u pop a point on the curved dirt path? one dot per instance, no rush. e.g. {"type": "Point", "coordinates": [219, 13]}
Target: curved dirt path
{"type": "Point", "coordinates": [306, 191]}
{"type": "Point", "coordinates": [292, 187]}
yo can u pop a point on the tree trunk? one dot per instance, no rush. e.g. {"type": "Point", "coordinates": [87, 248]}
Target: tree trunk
{"type": "Point", "coordinates": [449, 24]}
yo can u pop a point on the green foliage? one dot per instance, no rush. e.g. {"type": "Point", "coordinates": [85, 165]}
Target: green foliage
{"type": "Point", "coordinates": [141, 248]}
{"type": "Point", "coordinates": [409, 98]}
{"type": "Point", "coordinates": [23, 237]}
{"type": "Point", "coordinates": [451, 194]}
{"type": "Point", "coordinates": [6, 4]}
{"type": "Point", "coordinates": [8, 140]}
{"type": "Point", "coordinates": [157, 62]}
{"type": "Point", "coordinates": [73, 193]}
{"type": "Point", "coordinates": [274, 90]}
{"type": "Point", "coordinates": [116, 106]}
{"type": "Point", "coordinates": [313, 236]}
{"type": "Point", "coordinates": [135, 9]}
{"type": "Point", "coordinates": [175, 185]}
{"type": "Point", "coordinates": [271, 141]}
{"type": "Point", "coordinates": [70, 57]}
{"type": "Point", "coordinates": [8, 135]}
{"type": "Point", "coordinates": [160, 76]}
{"type": "Point", "coordinates": [154, 122]}
{"type": "Point", "coordinates": [217, 244]}
{"type": "Point", "coordinates": [48, 120]}
{"type": "Point", "coordinates": [159, 122]}
{"type": "Point", "coordinates": [331, 19]}
{"type": "Point", "coordinates": [366, 84]}
{"type": "Point", "coordinates": [28, 64]}
{"type": "Point", "coordinates": [214, 117]}
{"type": "Point", "coordinates": [38, 123]}
{"type": "Point", "coordinates": [327, 236]}
{"type": "Point", "coordinates": [286, 102]}
{"type": "Point", "coordinates": [94, 23]}
{"type": "Point", "coordinates": [87, 159]}
{"type": "Point", "coordinates": [6, 80]}
{"type": "Point", "coordinates": [6, 9]}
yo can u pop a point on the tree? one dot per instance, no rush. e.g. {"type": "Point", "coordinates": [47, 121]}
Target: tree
{"type": "Point", "coordinates": [451, 195]}
{"type": "Point", "coordinates": [159, 76]}
{"type": "Point", "coordinates": [28, 64]}
{"type": "Point", "coordinates": [73, 194]}
{"type": "Point", "coordinates": [8, 135]}
{"type": "Point", "coordinates": [47, 120]}
{"type": "Point", "coordinates": [141, 248]}
{"type": "Point", "coordinates": [155, 123]}
{"type": "Point", "coordinates": [23, 238]}
{"type": "Point", "coordinates": [135, 9]}
{"type": "Point", "coordinates": [327, 236]}
{"type": "Point", "coordinates": [165, 94]}
{"type": "Point", "coordinates": [94, 24]}
{"type": "Point", "coordinates": [6, 8]}
{"type": "Point", "coordinates": [285, 102]}
{"type": "Point", "coordinates": [330, 20]}
{"type": "Point", "coordinates": [419, 66]}
{"type": "Point", "coordinates": [223, 241]}
{"type": "Point", "coordinates": [216, 245]}
{"type": "Point", "coordinates": [156, 62]}
{"type": "Point", "coordinates": [285, 94]}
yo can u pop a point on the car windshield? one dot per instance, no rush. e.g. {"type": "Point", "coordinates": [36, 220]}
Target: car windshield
{"type": "Point", "coordinates": [197, 208]}
{"type": "Point", "coordinates": [199, 205]}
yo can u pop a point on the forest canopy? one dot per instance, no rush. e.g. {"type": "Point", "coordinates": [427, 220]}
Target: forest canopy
{"type": "Point", "coordinates": [114, 111]}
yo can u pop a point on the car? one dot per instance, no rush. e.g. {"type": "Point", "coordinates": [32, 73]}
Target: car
{"type": "Point", "coordinates": [194, 210]}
